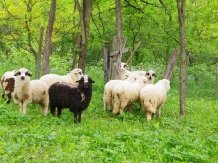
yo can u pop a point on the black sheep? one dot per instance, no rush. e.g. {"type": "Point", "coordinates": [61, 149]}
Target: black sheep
{"type": "Point", "coordinates": [76, 98]}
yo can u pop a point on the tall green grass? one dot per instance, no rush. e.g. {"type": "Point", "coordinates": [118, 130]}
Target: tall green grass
{"type": "Point", "coordinates": [102, 137]}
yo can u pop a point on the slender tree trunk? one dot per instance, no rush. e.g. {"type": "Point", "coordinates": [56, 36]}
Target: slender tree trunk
{"type": "Point", "coordinates": [119, 38]}
{"type": "Point", "coordinates": [38, 56]}
{"type": "Point", "coordinates": [85, 15]}
{"type": "Point", "coordinates": [171, 64]}
{"type": "Point", "coordinates": [181, 15]}
{"type": "Point", "coordinates": [45, 65]}
{"type": "Point", "coordinates": [75, 51]}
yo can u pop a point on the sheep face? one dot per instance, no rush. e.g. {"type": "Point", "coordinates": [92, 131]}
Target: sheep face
{"type": "Point", "coordinates": [77, 71]}
{"type": "Point", "coordinates": [123, 66]}
{"type": "Point", "coordinates": [150, 74]}
{"type": "Point", "coordinates": [85, 82]}
{"type": "Point", "coordinates": [22, 74]}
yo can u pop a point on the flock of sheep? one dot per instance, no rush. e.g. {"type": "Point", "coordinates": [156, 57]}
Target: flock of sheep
{"type": "Point", "coordinates": [136, 86]}
{"type": "Point", "coordinates": [74, 91]}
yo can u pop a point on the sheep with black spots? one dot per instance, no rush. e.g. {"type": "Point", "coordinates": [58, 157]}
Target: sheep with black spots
{"type": "Point", "coordinates": [77, 99]}
{"type": "Point", "coordinates": [7, 84]}
{"type": "Point", "coordinates": [153, 97]}
{"type": "Point", "coordinates": [28, 91]}
{"type": "Point", "coordinates": [127, 93]}
{"type": "Point", "coordinates": [70, 78]}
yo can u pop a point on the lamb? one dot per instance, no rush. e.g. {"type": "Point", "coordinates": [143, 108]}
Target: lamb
{"type": "Point", "coordinates": [70, 78]}
{"type": "Point", "coordinates": [126, 93]}
{"type": "Point", "coordinates": [7, 84]}
{"type": "Point", "coordinates": [28, 91]}
{"type": "Point", "coordinates": [153, 96]}
{"type": "Point", "coordinates": [77, 99]}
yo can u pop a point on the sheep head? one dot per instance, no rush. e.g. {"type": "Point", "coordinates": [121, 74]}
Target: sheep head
{"type": "Point", "coordinates": [84, 82]}
{"type": "Point", "coordinates": [150, 74]}
{"type": "Point", "coordinates": [22, 73]}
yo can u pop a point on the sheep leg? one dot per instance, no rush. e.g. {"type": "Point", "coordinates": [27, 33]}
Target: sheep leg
{"type": "Point", "coordinates": [21, 107]}
{"type": "Point", "coordinates": [59, 111]}
{"type": "Point", "coordinates": [24, 108]}
{"type": "Point", "coordinates": [159, 109]}
{"type": "Point", "coordinates": [80, 114]}
{"type": "Point", "coordinates": [52, 110]}
{"type": "Point", "coordinates": [105, 106]}
{"type": "Point", "coordinates": [129, 108]}
{"type": "Point", "coordinates": [9, 98]}
{"type": "Point", "coordinates": [44, 109]}
{"type": "Point", "coordinates": [149, 115]}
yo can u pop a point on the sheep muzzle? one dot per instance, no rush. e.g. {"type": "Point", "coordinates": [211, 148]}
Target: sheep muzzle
{"type": "Point", "coordinates": [22, 77]}
{"type": "Point", "coordinates": [86, 85]}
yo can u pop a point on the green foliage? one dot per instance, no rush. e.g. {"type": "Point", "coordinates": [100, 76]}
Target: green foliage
{"type": "Point", "coordinates": [102, 137]}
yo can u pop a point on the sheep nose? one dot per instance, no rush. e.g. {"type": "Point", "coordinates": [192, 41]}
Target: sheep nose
{"type": "Point", "coordinates": [22, 77]}
{"type": "Point", "coordinates": [149, 77]}
{"type": "Point", "coordinates": [86, 85]}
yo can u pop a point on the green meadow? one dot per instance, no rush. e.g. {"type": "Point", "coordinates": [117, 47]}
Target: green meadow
{"type": "Point", "coordinates": [103, 137]}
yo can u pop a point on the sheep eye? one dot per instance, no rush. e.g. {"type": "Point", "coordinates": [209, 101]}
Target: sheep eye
{"type": "Point", "coordinates": [80, 73]}
{"type": "Point", "coordinates": [147, 73]}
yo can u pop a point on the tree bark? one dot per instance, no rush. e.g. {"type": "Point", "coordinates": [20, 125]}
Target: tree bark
{"type": "Point", "coordinates": [45, 65]}
{"type": "Point", "coordinates": [181, 16]}
{"type": "Point", "coordinates": [85, 15]}
{"type": "Point", "coordinates": [38, 56]}
{"type": "Point", "coordinates": [119, 38]}
{"type": "Point", "coordinates": [171, 65]}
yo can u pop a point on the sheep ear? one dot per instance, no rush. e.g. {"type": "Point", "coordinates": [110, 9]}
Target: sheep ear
{"type": "Point", "coordinates": [29, 73]}
{"type": "Point", "coordinates": [154, 75]}
{"type": "Point", "coordinates": [15, 73]}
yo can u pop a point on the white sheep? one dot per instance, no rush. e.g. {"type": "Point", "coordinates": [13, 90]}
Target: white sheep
{"type": "Point", "coordinates": [124, 72]}
{"type": "Point", "coordinates": [27, 91]}
{"type": "Point", "coordinates": [7, 84]}
{"type": "Point", "coordinates": [150, 74]}
{"type": "Point", "coordinates": [70, 78]}
{"type": "Point", "coordinates": [108, 88]}
{"type": "Point", "coordinates": [127, 93]}
{"type": "Point", "coordinates": [153, 96]}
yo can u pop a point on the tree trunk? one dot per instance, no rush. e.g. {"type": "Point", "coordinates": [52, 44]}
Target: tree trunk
{"type": "Point", "coordinates": [181, 15]}
{"type": "Point", "coordinates": [75, 51]}
{"type": "Point", "coordinates": [45, 65]}
{"type": "Point", "coordinates": [106, 62]}
{"type": "Point", "coordinates": [171, 65]}
{"type": "Point", "coordinates": [85, 15]}
{"type": "Point", "coordinates": [38, 56]}
{"type": "Point", "coordinates": [119, 38]}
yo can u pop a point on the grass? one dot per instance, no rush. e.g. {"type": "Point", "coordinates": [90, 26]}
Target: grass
{"type": "Point", "coordinates": [102, 137]}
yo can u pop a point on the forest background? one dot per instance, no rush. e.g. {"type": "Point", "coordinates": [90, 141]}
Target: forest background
{"type": "Point", "coordinates": [102, 137]}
